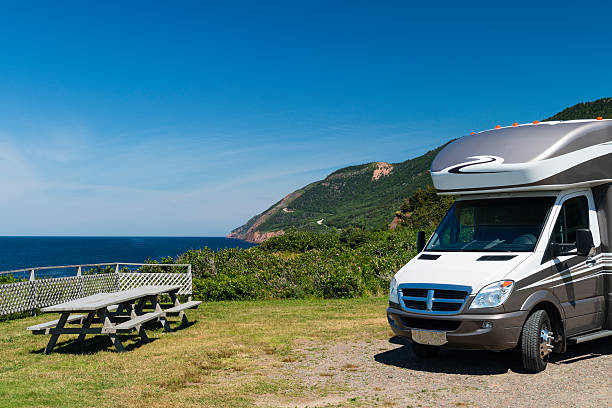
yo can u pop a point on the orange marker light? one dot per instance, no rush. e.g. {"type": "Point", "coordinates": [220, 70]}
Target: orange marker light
{"type": "Point", "coordinates": [506, 283]}
{"type": "Point", "coordinates": [599, 118]}
{"type": "Point", "coordinates": [515, 124]}
{"type": "Point", "coordinates": [472, 133]}
{"type": "Point", "coordinates": [535, 122]}
{"type": "Point", "coordinates": [497, 127]}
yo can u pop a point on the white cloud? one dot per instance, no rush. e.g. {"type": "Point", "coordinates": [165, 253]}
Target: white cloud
{"type": "Point", "coordinates": [18, 179]}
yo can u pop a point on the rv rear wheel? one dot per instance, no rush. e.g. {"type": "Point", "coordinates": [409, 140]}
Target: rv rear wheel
{"type": "Point", "coordinates": [536, 341]}
{"type": "Point", "coordinates": [423, 351]}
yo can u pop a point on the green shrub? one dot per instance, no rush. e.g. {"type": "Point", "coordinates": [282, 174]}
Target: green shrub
{"type": "Point", "coordinates": [294, 241]}
{"type": "Point", "coordinates": [345, 264]}
{"type": "Point", "coordinates": [7, 279]}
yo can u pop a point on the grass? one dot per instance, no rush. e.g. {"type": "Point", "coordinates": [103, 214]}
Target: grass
{"type": "Point", "coordinates": [223, 359]}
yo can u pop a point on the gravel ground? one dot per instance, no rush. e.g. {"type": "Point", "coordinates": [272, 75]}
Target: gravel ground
{"type": "Point", "coordinates": [386, 373]}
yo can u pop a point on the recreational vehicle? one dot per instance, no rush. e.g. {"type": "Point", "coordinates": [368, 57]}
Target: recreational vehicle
{"type": "Point", "coordinates": [523, 257]}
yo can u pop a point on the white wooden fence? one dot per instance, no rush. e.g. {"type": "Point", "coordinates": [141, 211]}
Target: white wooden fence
{"type": "Point", "coordinates": [41, 291]}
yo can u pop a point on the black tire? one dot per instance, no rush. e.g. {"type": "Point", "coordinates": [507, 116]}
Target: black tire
{"type": "Point", "coordinates": [532, 342]}
{"type": "Point", "coordinates": [424, 351]}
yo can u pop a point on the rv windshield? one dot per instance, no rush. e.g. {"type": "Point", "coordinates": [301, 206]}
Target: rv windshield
{"type": "Point", "coordinates": [492, 225]}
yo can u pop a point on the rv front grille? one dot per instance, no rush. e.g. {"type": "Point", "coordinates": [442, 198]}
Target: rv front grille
{"type": "Point", "coordinates": [445, 307]}
{"type": "Point", "coordinates": [414, 292]}
{"type": "Point", "coordinates": [449, 294]}
{"type": "Point", "coordinates": [433, 298]}
{"type": "Point", "coordinates": [414, 304]}
{"type": "Point", "coordinates": [430, 324]}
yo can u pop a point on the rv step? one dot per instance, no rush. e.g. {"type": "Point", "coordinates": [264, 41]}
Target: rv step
{"type": "Point", "coordinates": [590, 336]}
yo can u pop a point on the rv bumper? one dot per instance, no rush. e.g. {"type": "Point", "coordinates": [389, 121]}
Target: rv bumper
{"type": "Point", "coordinates": [465, 331]}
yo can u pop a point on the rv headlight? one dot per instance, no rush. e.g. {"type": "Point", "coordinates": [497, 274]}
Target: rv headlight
{"type": "Point", "coordinates": [393, 297]}
{"type": "Point", "coordinates": [493, 295]}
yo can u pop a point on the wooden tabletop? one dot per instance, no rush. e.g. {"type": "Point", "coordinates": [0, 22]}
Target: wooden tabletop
{"type": "Point", "coordinates": [103, 300]}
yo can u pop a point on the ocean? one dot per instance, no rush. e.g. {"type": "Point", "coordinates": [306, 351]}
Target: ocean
{"type": "Point", "coordinates": [26, 252]}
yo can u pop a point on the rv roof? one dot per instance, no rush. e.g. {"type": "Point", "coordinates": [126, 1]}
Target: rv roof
{"type": "Point", "coordinates": [550, 122]}
{"type": "Point", "coordinates": [524, 155]}
{"type": "Point", "coordinates": [524, 143]}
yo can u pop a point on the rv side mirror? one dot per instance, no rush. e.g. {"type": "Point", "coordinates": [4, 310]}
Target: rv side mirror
{"type": "Point", "coordinates": [420, 241]}
{"type": "Point", "coordinates": [558, 249]}
{"type": "Point", "coordinates": [584, 241]}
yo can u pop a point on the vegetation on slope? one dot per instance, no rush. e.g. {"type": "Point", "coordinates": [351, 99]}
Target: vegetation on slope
{"type": "Point", "coordinates": [586, 110]}
{"type": "Point", "coordinates": [423, 210]}
{"type": "Point", "coordinates": [363, 196]}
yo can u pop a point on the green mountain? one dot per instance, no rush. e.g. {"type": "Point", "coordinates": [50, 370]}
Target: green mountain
{"type": "Point", "coordinates": [364, 196]}
{"type": "Point", "coordinates": [369, 196]}
{"type": "Point", "coordinates": [586, 110]}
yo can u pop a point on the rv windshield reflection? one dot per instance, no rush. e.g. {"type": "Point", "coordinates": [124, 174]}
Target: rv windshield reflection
{"type": "Point", "coordinates": [492, 225]}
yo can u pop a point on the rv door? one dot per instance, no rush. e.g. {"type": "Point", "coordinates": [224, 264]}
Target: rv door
{"type": "Point", "coordinates": [577, 280]}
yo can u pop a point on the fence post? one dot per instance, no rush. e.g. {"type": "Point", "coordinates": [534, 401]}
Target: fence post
{"type": "Point", "coordinates": [80, 279]}
{"type": "Point", "coordinates": [190, 283]}
{"type": "Point", "coordinates": [33, 291]}
{"type": "Point", "coordinates": [117, 286]}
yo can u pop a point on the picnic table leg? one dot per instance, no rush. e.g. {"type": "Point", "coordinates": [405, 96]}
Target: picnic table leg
{"type": "Point", "coordinates": [54, 337]}
{"type": "Point", "coordinates": [131, 309]}
{"type": "Point", "coordinates": [174, 298]}
{"type": "Point", "coordinates": [182, 315]}
{"type": "Point", "coordinates": [86, 325]}
{"type": "Point", "coordinates": [162, 319]}
{"type": "Point", "coordinates": [116, 342]}
{"type": "Point", "coordinates": [123, 308]}
{"type": "Point", "coordinates": [141, 304]}
{"type": "Point", "coordinates": [119, 308]}
{"type": "Point", "coordinates": [184, 320]}
{"type": "Point", "coordinates": [143, 334]}
{"type": "Point", "coordinates": [103, 314]}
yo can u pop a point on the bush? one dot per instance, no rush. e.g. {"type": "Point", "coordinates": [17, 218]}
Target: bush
{"type": "Point", "coordinates": [7, 279]}
{"type": "Point", "coordinates": [294, 241]}
{"type": "Point", "coordinates": [424, 209]}
{"type": "Point", "coordinates": [352, 263]}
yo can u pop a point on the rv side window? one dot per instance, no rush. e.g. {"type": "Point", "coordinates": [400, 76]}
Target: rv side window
{"type": "Point", "coordinates": [574, 215]}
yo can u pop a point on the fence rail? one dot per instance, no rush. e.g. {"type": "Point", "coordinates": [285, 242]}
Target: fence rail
{"type": "Point", "coordinates": [33, 293]}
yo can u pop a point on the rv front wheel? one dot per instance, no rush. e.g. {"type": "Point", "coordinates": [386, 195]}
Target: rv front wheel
{"type": "Point", "coordinates": [536, 341]}
{"type": "Point", "coordinates": [423, 351]}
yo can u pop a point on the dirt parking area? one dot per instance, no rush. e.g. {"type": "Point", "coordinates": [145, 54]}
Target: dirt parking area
{"type": "Point", "coordinates": [386, 373]}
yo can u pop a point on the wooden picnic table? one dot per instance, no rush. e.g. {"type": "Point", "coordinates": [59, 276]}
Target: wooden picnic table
{"type": "Point", "coordinates": [100, 308]}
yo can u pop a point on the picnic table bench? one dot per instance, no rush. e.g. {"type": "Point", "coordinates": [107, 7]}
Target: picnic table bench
{"type": "Point", "coordinates": [117, 312]}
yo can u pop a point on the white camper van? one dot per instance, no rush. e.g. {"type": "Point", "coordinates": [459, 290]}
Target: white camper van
{"type": "Point", "coordinates": [523, 258]}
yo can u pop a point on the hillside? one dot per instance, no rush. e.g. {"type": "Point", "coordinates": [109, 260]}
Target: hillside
{"type": "Point", "coordinates": [364, 196]}
{"type": "Point", "coordinates": [586, 110]}
{"type": "Point", "coordinates": [369, 196]}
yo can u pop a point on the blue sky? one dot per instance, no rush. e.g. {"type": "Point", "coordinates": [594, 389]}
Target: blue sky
{"type": "Point", "coordinates": [187, 118]}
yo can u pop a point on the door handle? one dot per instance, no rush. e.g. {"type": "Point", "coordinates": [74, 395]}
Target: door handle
{"type": "Point", "coordinates": [590, 261]}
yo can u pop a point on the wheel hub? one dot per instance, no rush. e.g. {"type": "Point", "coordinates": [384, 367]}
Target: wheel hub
{"type": "Point", "coordinates": [546, 342]}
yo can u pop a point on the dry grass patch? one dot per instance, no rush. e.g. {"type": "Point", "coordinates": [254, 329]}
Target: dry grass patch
{"type": "Point", "coordinates": [350, 367]}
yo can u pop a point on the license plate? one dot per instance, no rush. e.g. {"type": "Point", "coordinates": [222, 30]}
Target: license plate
{"type": "Point", "coordinates": [429, 337]}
